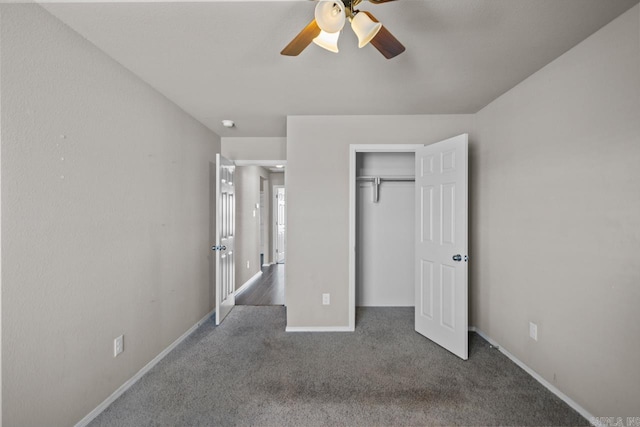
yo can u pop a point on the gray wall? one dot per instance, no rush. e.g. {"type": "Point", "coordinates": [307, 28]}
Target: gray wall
{"type": "Point", "coordinates": [106, 214]}
{"type": "Point", "coordinates": [556, 220]}
{"type": "Point", "coordinates": [318, 202]}
{"type": "Point", "coordinates": [264, 148]}
{"type": "Point", "coordinates": [276, 178]}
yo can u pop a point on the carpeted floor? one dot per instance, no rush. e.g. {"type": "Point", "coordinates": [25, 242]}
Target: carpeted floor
{"type": "Point", "coordinates": [248, 371]}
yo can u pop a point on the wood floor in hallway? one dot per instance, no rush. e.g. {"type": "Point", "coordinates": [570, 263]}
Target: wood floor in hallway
{"type": "Point", "coordinates": [267, 290]}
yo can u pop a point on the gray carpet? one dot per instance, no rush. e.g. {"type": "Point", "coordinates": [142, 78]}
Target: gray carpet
{"type": "Point", "coordinates": [248, 371]}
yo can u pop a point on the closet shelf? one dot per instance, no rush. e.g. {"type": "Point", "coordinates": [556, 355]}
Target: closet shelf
{"type": "Point", "coordinates": [376, 180]}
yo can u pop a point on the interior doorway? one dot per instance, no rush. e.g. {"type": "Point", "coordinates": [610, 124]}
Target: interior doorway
{"type": "Point", "coordinates": [264, 229]}
{"type": "Point", "coordinates": [438, 229]}
{"type": "Point", "coordinates": [385, 207]}
{"type": "Point", "coordinates": [260, 278]}
{"type": "Point", "coordinates": [367, 188]}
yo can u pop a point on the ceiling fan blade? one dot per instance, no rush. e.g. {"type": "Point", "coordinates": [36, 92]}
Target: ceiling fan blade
{"type": "Point", "coordinates": [388, 45]}
{"type": "Point", "coordinates": [384, 41]}
{"type": "Point", "coordinates": [302, 40]}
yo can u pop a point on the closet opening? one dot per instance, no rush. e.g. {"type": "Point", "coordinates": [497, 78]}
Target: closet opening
{"type": "Point", "coordinates": [382, 227]}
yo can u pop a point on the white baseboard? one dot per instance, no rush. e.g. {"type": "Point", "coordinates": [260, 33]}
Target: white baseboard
{"type": "Point", "coordinates": [248, 283]}
{"type": "Point", "coordinates": [319, 329]}
{"type": "Point", "coordinates": [131, 381]}
{"type": "Point", "coordinates": [553, 389]}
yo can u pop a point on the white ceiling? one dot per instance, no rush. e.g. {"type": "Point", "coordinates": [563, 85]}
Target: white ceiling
{"type": "Point", "coordinates": [220, 60]}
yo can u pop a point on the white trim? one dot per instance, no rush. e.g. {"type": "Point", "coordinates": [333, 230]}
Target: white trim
{"type": "Point", "coordinates": [353, 150]}
{"type": "Point", "coordinates": [352, 235]}
{"type": "Point", "coordinates": [319, 329]}
{"type": "Point", "coordinates": [248, 283]}
{"type": "Point", "coordinates": [131, 381]}
{"type": "Point", "coordinates": [553, 389]}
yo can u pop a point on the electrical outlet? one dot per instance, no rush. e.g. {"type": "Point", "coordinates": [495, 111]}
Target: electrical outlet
{"type": "Point", "coordinates": [118, 345]}
{"type": "Point", "coordinates": [326, 299]}
{"type": "Point", "coordinates": [533, 331]}
{"type": "Point", "coordinates": [248, 264]}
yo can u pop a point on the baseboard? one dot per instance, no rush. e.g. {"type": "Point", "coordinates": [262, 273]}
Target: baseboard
{"type": "Point", "coordinates": [553, 389]}
{"type": "Point", "coordinates": [248, 283]}
{"type": "Point", "coordinates": [131, 381]}
{"type": "Point", "coordinates": [319, 329]}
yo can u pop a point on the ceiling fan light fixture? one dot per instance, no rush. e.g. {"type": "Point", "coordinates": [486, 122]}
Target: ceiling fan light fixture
{"type": "Point", "coordinates": [328, 41]}
{"type": "Point", "coordinates": [365, 28]}
{"type": "Point", "coordinates": [330, 15]}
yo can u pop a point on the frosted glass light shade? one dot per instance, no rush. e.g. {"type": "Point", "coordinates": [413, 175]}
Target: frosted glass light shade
{"type": "Point", "coordinates": [328, 41]}
{"type": "Point", "coordinates": [365, 28]}
{"type": "Point", "coordinates": [330, 15]}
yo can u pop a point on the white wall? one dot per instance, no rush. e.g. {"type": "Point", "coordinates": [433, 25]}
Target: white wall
{"type": "Point", "coordinates": [318, 202]}
{"type": "Point", "coordinates": [556, 220]}
{"type": "Point", "coordinates": [107, 211]}
{"type": "Point", "coordinates": [385, 232]}
{"type": "Point", "coordinates": [264, 148]}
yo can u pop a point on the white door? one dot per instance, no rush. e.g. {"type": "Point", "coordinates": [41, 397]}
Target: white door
{"type": "Point", "coordinates": [441, 244]}
{"type": "Point", "coordinates": [225, 230]}
{"type": "Point", "coordinates": [281, 221]}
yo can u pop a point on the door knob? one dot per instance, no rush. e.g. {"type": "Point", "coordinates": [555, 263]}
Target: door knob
{"type": "Point", "coordinates": [457, 257]}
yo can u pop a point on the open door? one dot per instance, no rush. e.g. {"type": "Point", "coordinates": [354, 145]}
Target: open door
{"type": "Point", "coordinates": [225, 230]}
{"type": "Point", "coordinates": [441, 312]}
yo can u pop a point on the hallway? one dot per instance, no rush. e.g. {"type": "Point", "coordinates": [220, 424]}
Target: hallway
{"type": "Point", "coordinates": [267, 290]}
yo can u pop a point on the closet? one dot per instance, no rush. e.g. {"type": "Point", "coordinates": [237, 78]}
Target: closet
{"type": "Point", "coordinates": [385, 224]}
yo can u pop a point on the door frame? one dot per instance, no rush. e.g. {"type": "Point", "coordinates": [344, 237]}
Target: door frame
{"type": "Point", "coordinates": [267, 164]}
{"type": "Point", "coordinates": [224, 306]}
{"type": "Point", "coordinates": [354, 149]}
{"type": "Point", "coordinates": [274, 205]}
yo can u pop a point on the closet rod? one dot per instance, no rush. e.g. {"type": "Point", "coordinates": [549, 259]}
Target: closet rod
{"type": "Point", "coordinates": [378, 179]}
{"type": "Point", "coordinates": [385, 178]}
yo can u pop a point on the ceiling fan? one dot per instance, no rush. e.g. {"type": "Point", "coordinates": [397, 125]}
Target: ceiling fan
{"type": "Point", "coordinates": [329, 19]}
